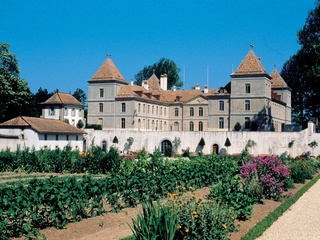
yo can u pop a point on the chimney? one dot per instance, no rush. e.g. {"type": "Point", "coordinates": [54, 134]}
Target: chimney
{"type": "Point", "coordinates": [206, 90]}
{"type": "Point", "coordinates": [131, 82]}
{"type": "Point", "coordinates": [197, 86]}
{"type": "Point", "coordinates": [193, 88]}
{"type": "Point", "coordinates": [174, 88]}
{"type": "Point", "coordinates": [145, 84]}
{"type": "Point", "coordinates": [164, 82]}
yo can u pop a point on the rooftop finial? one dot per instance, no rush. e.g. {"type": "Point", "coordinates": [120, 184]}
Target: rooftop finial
{"type": "Point", "coordinates": [108, 55]}
{"type": "Point", "coordinates": [275, 66]}
{"type": "Point", "coordinates": [251, 46]}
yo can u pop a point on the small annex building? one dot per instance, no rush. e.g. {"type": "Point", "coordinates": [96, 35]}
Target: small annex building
{"type": "Point", "coordinates": [39, 133]}
{"type": "Point", "coordinates": [64, 107]}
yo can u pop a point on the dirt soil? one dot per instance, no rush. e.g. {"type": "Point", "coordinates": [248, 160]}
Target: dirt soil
{"type": "Point", "coordinates": [115, 225]}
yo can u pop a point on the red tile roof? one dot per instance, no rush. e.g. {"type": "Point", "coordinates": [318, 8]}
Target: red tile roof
{"type": "Point", "coordinates": [62, 99]}
{"type": "Point", "coordinates": [42, 125]}
{"type": "Point", "coordinates": [107, 71]}
{"type": "Point", "coordinates": [251, 64]}
{"type": "Point", "coordinates": [277, 80]}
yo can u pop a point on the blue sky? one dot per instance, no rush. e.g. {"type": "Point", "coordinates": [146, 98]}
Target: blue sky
{"type": "Point", "coordinates": [60, 44]}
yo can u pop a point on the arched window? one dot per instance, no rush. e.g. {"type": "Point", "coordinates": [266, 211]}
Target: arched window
{"type": "Point", "coordinates": [139, 107]}
{"type": "Point", "coordinates": [165, 144]}
{"type": "Point", "coordinates": [221, 122]}
{"type": "Point", "coordinates": [200, 111]}
{"type": "Point", "coordinates": [200, 126]}
{"type": "Point", "coordinates": [123, 123]}
{"type": "Point", "coordinates": [247, 105]}
{"type": "Point", "coordinates": [191, 126]}
{"type": "Point", "coordinates": [191, 111]}
{"type": "Point", "coordinates": [123, 107]}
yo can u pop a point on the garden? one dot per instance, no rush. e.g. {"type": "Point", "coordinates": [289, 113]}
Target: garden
{"type": "Point", "coordinates": [53, 188]}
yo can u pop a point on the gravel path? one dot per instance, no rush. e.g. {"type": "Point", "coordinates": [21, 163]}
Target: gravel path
{"type": "Point", "coordinates": [301, 221]}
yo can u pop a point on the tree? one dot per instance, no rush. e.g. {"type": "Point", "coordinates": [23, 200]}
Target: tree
{"type": "Point", "coordinates": [227, 143]}
{"type": "Point", "coordinates": [14, 91]}
{"type": "Point", "coordinates": [41, 96]}
{"type": "Point", "coordinates": [163, 66]}
{"type": "Point", "coordinates": [302, 70]}
{"type": "Point", "coordinates": [80, 95]}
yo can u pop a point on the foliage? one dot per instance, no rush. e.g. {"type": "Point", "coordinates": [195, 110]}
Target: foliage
{"type": "Point", "coordinates": [80, 124]}
{"type": "Point", "coordinates": [186, 152]}
{"type": "Point", "coordinates": [80, 95]}
{"type": "Point", "coordinates": [155, 222]}
{"type": "Point", "coordinates": [130, 140]}
{"type": "Point", "coordinates": [227, 142]}
{"type": "Point", "coordinates": [94, 126]}
{"type": "Point", "coordinates": [237, 127]}
{"type": "Point", "coordinates": [260, 227]}
{"type": "Point", "coordinates": [290, 144]}
{"type": "Point", "coordinates": [202, 142]}
{"type": "Point", "coordinates": [302, 70]}
{"type": "Point", "coordinates": [176, 144]}
{"type": "Point", "coordinates": [163, 66]}
{"type": "Point", "coordinates": [313, 144]}
{"type": "Point", "coordinates": [266, 175]}
{"type": "Point", "coordinates": [238, 197]}
{"type": "Point", "coordinates": [168, 151]}
{"type": "Point", "coordinates": [15, 93]}
{"type": "Point", "coordinates": [302, 169]}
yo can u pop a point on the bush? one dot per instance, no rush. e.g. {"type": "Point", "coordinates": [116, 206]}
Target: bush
{"type": "Point", "coordinates": [240, 198]}
{"type": "Point", "coordinates": [268, 174]}
{"type": "Point", "coordinates": [237, 127]}
{"type": "Point", "coordinates": [302, 169]}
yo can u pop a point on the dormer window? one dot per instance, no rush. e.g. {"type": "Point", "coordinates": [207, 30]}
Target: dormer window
{"type": "Point", "coordinates": [177, 98]}
{"type": "Point", "coordinates": [221, 90]}
{"type": "Point", "coordinates": [51, 111]}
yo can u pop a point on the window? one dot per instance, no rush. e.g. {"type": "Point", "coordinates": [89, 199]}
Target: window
{"type": "Point", "coordinates": [100, 107]}
{"type": "Point", "coordinates": [200, 126]}
{"type": "Point", "coordinates": [221, 122]}
{"type": "Point", "coordinates": [247, 88]}
{"type": "Point", "coordinates": [157, 110]}
{"type": "Point", "coordinates": [191, 111]}
{"type": "Point", "coordinates": [67, 137]}
{"type": "Point", "coordinates": [144, 108]}
{"type": "Point", "coordinates": [123, 107]}
{"type": "Point", "coordinates": [165, 111]}
{"type": "Point", "coordinates": [45, 137]}
{"type": "Point", "coordinates": [247, 123]}
{"type": "Point", "coordinates": [66, 111]}
{"type": "Point", "coordinates": [139, 107]}
{"type": "Point", "coordinates": [152, 109]}
{"type": "Point", "coordinates": [200, 111]}
{"type": "Point", "coordinates": [160, 110]}
{"type": "Point", "coordinates": [51, 111]}
{"type": "Point", "coordinates": [176, 112]}
{"type": "Point", "coordinates": [101, 94]}
{"type": "Point", "coordinates": [123, 123]}
{"type": "Point", "coordinates": [247, 105]}
{"type": "Point", "coordinates": [191, 126]}
{"type": "Point", "coordinates": [57, 137]}
{"type": "Point", "coordinates": [164, 145]}
{"type": "Point", "coordinates": [221, 105]}
{"type": "Point", "coordinates": [73, 112]}
{"type": "Point", "coordinates": [148, 108]}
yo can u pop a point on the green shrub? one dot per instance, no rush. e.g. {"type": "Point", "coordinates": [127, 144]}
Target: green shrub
{"type": "Point", "coordinates": [236, 196]}
{"type": "Point", "coordinates": [302, 169]}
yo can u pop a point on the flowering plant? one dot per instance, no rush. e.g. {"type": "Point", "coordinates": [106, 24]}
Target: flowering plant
{"type": "Point", "coordinates": [267, 176]}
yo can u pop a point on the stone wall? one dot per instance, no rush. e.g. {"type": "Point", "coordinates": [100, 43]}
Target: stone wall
{"type": "Point", "coordinates": [266, 142]}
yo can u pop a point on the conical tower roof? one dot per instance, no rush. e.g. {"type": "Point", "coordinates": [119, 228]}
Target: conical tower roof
{"type": "Point", "coordinates": [250, 65]}
{"type": "Point", "coordinates": [277, 80]}
{"type": "Point", "coordinates": [108, 72]}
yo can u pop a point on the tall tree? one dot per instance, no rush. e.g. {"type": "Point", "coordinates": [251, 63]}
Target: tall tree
{"type": "Point", "coordinates": [14, 91]}
{"type": "Point", "coordinates": [40, 96]}
{"type": "Point", "coordinates": [80, 95]}
{"type": "Point", "coordinates": [302, 70]}
{"type": "Point", "coordinates": [163, 66]}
